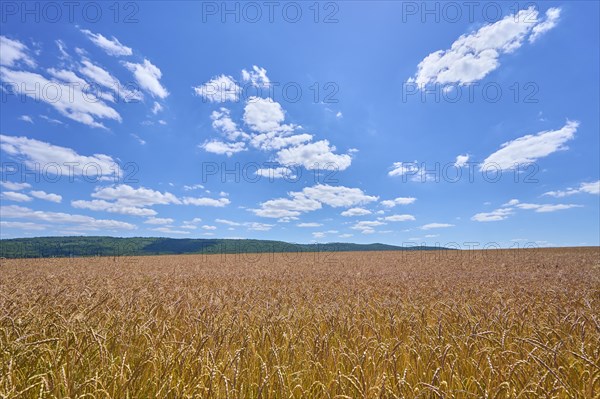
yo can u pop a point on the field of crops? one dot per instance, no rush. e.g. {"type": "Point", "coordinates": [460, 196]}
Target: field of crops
{"type": "Point", "coordinates": [496, 324]}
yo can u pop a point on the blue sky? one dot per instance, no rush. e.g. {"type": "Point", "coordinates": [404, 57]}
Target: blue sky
{"type": "Point", "coordinates": [350, 121]}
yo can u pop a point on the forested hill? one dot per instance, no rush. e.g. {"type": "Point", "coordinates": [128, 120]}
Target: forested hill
{"type": "Point", "coordinates": [44, 247]}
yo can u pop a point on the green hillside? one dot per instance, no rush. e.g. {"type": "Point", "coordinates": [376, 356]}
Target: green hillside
{"type": "Point", "coordinates": [45, 247]}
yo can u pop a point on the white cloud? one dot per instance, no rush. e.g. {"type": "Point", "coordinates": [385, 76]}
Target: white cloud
{"type": "Point", "coordinates": [46, 196]}
{"type": "Point", "coordinates": [311, 199]}
{"type": "Point", "coordinates": [13, 52]}
{"type": "Point", "coordinates": [113, 207]}
{"type": "Point", "coordinates": [552, 16]}
{"type": "Point", "coordinates": [399, 218]}
{"type": "Point", "coordinates": [311, 224]}
{"type": "Point", "coordinates": [545, 208]}
{"type": "Point", "coordinates": [34, 152]}
{"type": "Point", "coordinates": [220, 147]}
{"type": "Point", "coordinates": [284, 207]}
{"type": "Point", "coordinates": [461, 160]}
{"type": "Point", "coordinates": [258, 226]}
{"type": "Point", "coordinates": [102, 77]}
{"type": "Point", "coordinates": [346, 235]}
{"type": "Point", "coordinates": [366, 226]}
{"type": "Point", "coordinates": [50, 120]}
{"type": "Point", "coordinates": [356, 212]}
{"type": "Point", "coordinates": [14, 186]}
{"type": "Point", "coordinates": [493, 216]}
{"type": "Point", "coordinates": [528, 149]}
{"type": "Point", "coordinates": [318, 234]}
{"type": "Point", "coordinates": [404, 168]}
{"type": "Point", "coordinates": [339, 115]}
{"type": "Point", "coordinates": [207, 227]}
{"type": "Point", "coordinates": [111, 46]}
{"type": "Point", "coordinates": [69, 100]}
{"type": "Point", "coordinates": [138, 138]}
{"type": "Point", "coordinates": [257, 76]}
{"type": "Point", "coordinates": [223, 123]}
{"type": "Point", "coordinates": [473, 56]}
{"type": "Point", "coordinates": [156, 108]}
{"type": "Point", "coordinates": [59, 218]}
{"type": "Point", "coordinates": [398, 201]}
{"type": "Point", "coordinates": [159, 221]}
{"type": "Point", "coordinates": [338, 196]}
{"type": "Point", "coordinates": [430, 226]}
{"type": "Point", "coordinates": [148, 77]}
{"type": "Point", "coordinates": [263, 114]}
{"type": "Point", "coordinates": [127, 195]}
{"type": "Point", "coordinates": [227, 222]}
{"type": "Point", "coordinates": [275, 140]}
{"type": "Point", "coordinates": [509, 208]}
{"type": "Point", "coordinates": [219, 89]}
{"type": "Point", "coordinates": [193, 187]}
{"type": "Point", "coordinates": [221, 202]}
{"type": "Point", "coordinates": [276, 173]}
{"type": "Point", "coordinates": [589, 188]}
{"type": "Point", "coordinates": [317, 155]}
{"type": "Point", "coordinates": [126, 200]}
{"type": "Point", "coordinates": [26, 118]}
{"type": "Point", "coordinates": [14, 196]}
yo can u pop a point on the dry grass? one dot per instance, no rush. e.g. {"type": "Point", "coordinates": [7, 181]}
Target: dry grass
{"type": "Point", "coordinates": [497, 324]}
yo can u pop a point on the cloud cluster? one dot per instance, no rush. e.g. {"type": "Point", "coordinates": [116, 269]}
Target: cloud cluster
{"type": "Point", "coordinates": [264, 120]}
{"type": "Point", "coordinates": [473, 56]}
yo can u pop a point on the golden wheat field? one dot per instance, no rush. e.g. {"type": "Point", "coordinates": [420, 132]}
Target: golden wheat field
{"type": "Point", "coordinates": [468, 324]}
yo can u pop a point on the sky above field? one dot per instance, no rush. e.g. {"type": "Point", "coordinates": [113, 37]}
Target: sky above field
{"type": "Point", "coordinates": [465, 124]}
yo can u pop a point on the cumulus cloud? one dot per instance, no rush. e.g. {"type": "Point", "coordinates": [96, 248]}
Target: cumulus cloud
{"type": "Point", "coordinates": [46, 196]}
{"type": "Point", "coordinates": [113, 207]}
{"type": "Point", "coordinates": [367, 226]}
{"type": "Point", "coordinates": [275, 140]}
{"type": "Point", "coordinates": [257, 76]}
{"type": "Point", "coordinates": [263, 114]}
{"type": "Point", "coordinates": [356, 212]}
{"type": "Point", "coordinates": [276, 173]}
{"type": "Point", "coordinates": [317, 155]}
{"type": "Point", "coordinates": [221, 147]}
{"type": "Point", "coordinates": [461, 160]}
{"type": "Point", "coordinates": [219, 89]}
{"type": "Point", "coordinates": [222, 122]}
{"type": "Point", "coordinates": [311, 199]}
{"type": "Point", "coordinates": [219, 203]}
{"type": "Point", "coordinates": [110, 46]}
{"type": "Point", "coordinates": [26, 118]}
{"type": "Point", "coordinates": [528, 149]}
{"type": "Point", "coordinates": [14, 186]}
{"type": "Point", "coordinates": [311, 224]}
{"type": "Point", "coordinates": [148, 77]}
{"type": "Point", "coordinates": [399, 218]}
{"type": "Point", "coordinates": [15, 196]}
{"type": "Point", "coordinates": [473, 56]}
{"type": "Point", "coordinates": [398, 201]}
{"type": "Point", "coordinates": [493, 216]}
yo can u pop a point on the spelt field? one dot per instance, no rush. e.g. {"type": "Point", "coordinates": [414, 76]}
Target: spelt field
{"type": "Point", "coordinates": [496, 324]}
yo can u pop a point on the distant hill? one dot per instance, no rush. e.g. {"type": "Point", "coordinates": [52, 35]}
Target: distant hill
{"type": "Point", "coordinates": [46, 247]}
